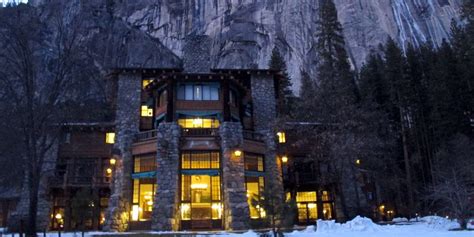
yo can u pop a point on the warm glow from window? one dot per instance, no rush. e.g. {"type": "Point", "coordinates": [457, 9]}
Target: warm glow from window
{"type": "Point", "coordinates": [199, 186]}
{"type": "Point", "coordinates": [199, 123]}
{"type": "Point", "coordinates": [110, 138]}
{"type": "Point", "coordinates": [135, 212]}
{"type": "Point", "coordinates": [143, 195]}
{"type": "Point", "coordinates": [146, 82]}
{"type": "Point", "coordinates": [255, 186]}
{"type": "Point", "coordinates": [281, 137]}
{"type": "Point", "coordinates": [306, 197]}
{"type": "Point", "coordinates": [146, 112]}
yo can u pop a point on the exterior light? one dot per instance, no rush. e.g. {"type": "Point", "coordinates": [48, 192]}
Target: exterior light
{"type": "Point", "coordinates": [199, 186]}
{"type": "Point", "coordinates": [113, 161]}
{"type": "Point", "coordinates": [58, 216]}
{"type": "Point", "coordinates": [382, 207]}
{"type": "Point", "coordinates": [108, 171]}
{"type": "Point", "coordinates": [237, 153]}
{"type": "Point", "coordinates": [284, 159]}
{"type": "Point", "coordinates": [358, 162]}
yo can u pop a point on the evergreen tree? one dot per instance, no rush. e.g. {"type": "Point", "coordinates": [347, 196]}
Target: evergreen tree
{"type": "Point", "coordinates": [285, 93]}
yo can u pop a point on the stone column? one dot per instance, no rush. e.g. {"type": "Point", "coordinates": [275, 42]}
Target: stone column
{"type": "Point", "coordinates": [127, 121]}
{"type": "Point", "coordinates": [236, 209]}
{"type": "Point", "coordinates": [44, 202]}
{"type": "Point", "coordinates": [165, 215]}
{"type": "Point", "coordinates": [264, 115]}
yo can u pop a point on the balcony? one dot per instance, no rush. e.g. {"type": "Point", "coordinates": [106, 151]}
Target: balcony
{"type": "Point", "coordinates": [200, 132]}
{"type": "Point", "coordinates": [63, 180]}
{"type": "Point", "coordinates": [253, 136]}
{"type": "Point", "coordinates": [146, 135]}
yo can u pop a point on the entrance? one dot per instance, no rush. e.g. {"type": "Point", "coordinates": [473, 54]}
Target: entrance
{"type": "Point", "coordinates": [201, 206]}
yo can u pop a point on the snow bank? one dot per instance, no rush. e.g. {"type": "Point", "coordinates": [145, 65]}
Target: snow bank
{"type": "Point", "coordinates": [357, 224]}
{"type": "Point", "coordinates": [440, 223]}
{"type": "Point", "coordinates": [400, 219]}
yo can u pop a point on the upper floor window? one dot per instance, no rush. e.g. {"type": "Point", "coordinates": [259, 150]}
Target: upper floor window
{"type": "Point", "coordinates": [198, 92]}
{"type": "Point", "coordinates": [110, 138]}
{"type": "Point", "coordinates": [281, 137]}
{"type": "Point", "coordinates": [145, 82]}
{"type": "Point", "coordinates": [253, 162]}
{"type": "Point", "coordinates": [198, 122]}
{"type": "Point", "coordinates": [146, 111]}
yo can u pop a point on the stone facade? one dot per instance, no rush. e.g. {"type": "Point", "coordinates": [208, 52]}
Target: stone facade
{"type": "Point", "coordinates": [127, 120]}
{"type": "Point", "coordinates": [236, 209]}
{"type": "Point", "coordinates": [264, 101]}
{"type": "Point", "coordinates": [165, 214]}
{"type": "Point", "coordinates": [18, 219]}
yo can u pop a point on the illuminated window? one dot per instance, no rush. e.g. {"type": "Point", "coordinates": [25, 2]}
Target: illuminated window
{"type": "Point", "coordinates": [255, 187]}
{"type": "Point", "coordinates": [146, 111]}
{"type": "Point", "coordinates": [200, 160]}
{"type": "Point", "coordinates": [110, 138]}
{"type": "Point", "coordinates": [143, 197]}
{"type": "Point", "coordinates": [281, 137]}
{"type": "Point", "coordinates": [327, 211]}
{"type": "Point", "coordinates": [199, 122]}
{"type": "Point", "coordinates": [306, 197]}
{"type": "Point", "coordinates": [253, 162]}
{"type": "Point", "coordinates": [145, 82]}
{"type": "Point", "coordinates": [144, 163]}
{"type": "Point", "coordinates": [307, 207]}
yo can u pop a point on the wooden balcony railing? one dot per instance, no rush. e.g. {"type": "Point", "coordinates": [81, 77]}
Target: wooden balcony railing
{"type": "Point", "coordinates": [254, 136]}
{"type": "Point", "coordinates": [200, 132]}
{"type": "Point", "coordinates": [146, 135]}
{"type": "Point", "coordinates": [63, 180]}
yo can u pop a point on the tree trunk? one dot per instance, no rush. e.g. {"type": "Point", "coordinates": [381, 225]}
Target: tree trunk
{"type": "Point", "coordinates": [407, 165]}
{"type": "Point", "coordinates": [33, 205]}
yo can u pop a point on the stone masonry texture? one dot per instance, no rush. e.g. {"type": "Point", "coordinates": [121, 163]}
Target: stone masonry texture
{"type": "Point", "coordinates": [127, 119]}
{"type": "Point", "coordinates": [236, 210]}
{"type": "Point", "coordinates": [165, 214]}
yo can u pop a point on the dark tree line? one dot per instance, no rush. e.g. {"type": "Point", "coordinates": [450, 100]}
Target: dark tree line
{"type": "Point", "coordinates": [407, 117]}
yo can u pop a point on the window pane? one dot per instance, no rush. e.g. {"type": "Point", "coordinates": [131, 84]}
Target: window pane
{"type": "Point", "coordinates": [135, 190]}
{"type": "Point", "coordinates": [181, 92]}
{"type": "Point", "coordinates": [206, 92]}
{"type": "Point", "coordinates": [214, 93]}
{"type": "Point", "coordinates": [302, 212]}
{"type": "Point", "coordinates": [185, 188]}
{"type": "Point", "coordinates": [312, 211]}
{"type": "Point", "coordinates": [327, 211]}
{"type": "Point", "coordinates": [146, 199]}
{"type": "Point", "coordinates": [197, 92]}
{"type": "Point", "coordinates": [216, 188]}
{"type": "Point", "coordinates": [306, 197]}
{"type": "Point", "coordinates": [253, 162]}
{"type": "Point", "coordinates": [188, 94]}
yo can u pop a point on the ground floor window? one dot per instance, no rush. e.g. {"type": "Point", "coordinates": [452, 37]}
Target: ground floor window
{"type": "Point", "coordinates": [255, 188]}
{"type": "Point", "coordinates": [313, 205]}
{"type": "Point", "coordinates": [143, 196]}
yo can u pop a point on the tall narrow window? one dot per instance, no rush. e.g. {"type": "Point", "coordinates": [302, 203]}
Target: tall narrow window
{"type": "Point", "coordinates": [281, 137]}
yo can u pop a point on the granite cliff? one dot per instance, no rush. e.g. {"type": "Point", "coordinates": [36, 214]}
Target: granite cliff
{"type": "Point", "coordinates": [199, 34]}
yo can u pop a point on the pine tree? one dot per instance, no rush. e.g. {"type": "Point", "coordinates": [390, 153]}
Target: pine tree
{"type": "Point", "coordinates": [285, 93]}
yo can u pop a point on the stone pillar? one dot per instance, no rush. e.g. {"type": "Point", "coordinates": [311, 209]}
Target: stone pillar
{"type": "Point", "coordinates": [127, 121]}
{"type": "Point", "coordinates": [236, 209]}
{"type": "Point", "coordinates": [44, 202]}
{"type": "Point", "coordinates": [264, 101]}
{"type": "Point", "coordinates": [165, 215]}
{"type": "Point", "coordinates": [264, 115]}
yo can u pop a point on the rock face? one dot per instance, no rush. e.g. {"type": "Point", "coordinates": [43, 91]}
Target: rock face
{"type": "Point", "coordinates": [242, 34]}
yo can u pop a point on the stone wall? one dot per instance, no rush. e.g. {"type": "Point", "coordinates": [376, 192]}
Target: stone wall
{"type": "Point", "coordinates": [165, 215]}
{"type": "Point", "coordinates": [236, 210]}
{"type": "Point", "coordinates": [44, 202]}
{"type": "Point", "coordinates": [127, 120]}
{"type": "Point", "coordinates": [264, 102]}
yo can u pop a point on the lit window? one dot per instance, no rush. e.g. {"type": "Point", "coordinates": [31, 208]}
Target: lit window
{"type": "Point", "coordinates": [255, 187]}
{"type": "Point", "coordinates": [110, 138]}
{"type": "Point", "coordinates": [145, 82]}
{"type": "Point", "coordinates": [146, 112]}
{"type": "Point", "coordinates": [306, 197]}
{"type": "Point", "coordinates": [253, 162]}
{"type": "Point", "coordinates": [143, 196]}
{"type": "Point", "coordinates": [199, 123]}
{"type": "Point", "coordinates": [281, 137]}
{"type": "Point", "coordinates": [307, 207]}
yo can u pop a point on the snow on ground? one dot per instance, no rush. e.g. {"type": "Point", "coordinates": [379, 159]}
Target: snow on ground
{"type": "Point", "coordinates": [429, 226]}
